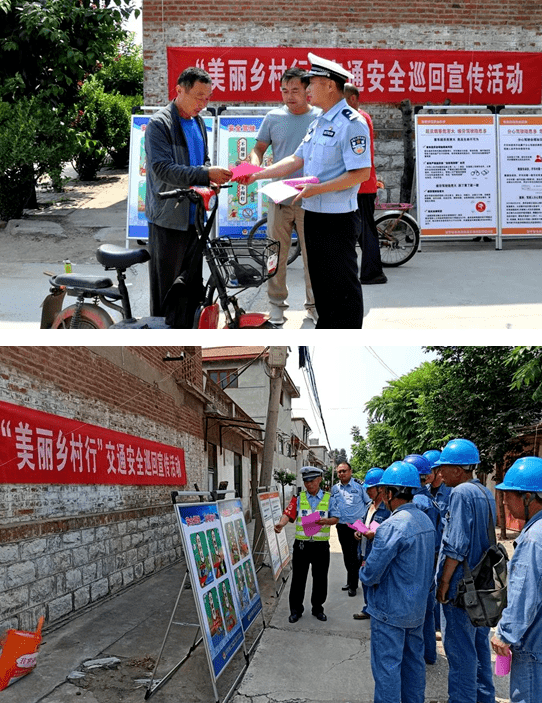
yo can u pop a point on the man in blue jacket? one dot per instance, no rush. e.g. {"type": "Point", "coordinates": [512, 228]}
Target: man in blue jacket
{"type": "Point", "coordinates": [398, 573]}
{"type": "Point", "coordinates": [465, 537]}
{"type": "Point", "coordinates": [519, 631]}
{"type": "Point", "coordinates": [177, 156]}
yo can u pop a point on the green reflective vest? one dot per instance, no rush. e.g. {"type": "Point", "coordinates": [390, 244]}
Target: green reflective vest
{"type": "Point", "coordinates": [305, 509]}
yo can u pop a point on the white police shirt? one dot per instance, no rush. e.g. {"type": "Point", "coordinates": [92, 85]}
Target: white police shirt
{"type": "Point", "coordinates": [336, 142]}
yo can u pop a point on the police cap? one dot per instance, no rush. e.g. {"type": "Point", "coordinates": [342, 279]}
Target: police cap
{"type": "Point", "coordinates": [328, 69]}
{"type": "Point", "coordinates": [310, 472]}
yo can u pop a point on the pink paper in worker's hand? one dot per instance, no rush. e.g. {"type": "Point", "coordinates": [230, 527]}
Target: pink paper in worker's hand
{"type": "Point", "coordinates": [502, 665]}
{"type": "Point", "coordinates": [300, 182]}
{"type": "Point", "coordinates": [359, 526]}
{"type": "Point", "coordinates": [244, 169]}
{"type": "Point", "coordinates": [310, 528]}
{"type": "Point", "coordinates": [374, 526]}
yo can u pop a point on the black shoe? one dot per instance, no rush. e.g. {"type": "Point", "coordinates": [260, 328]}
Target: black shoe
{"type": "Point", "coordinates": [345, 588]}
{"type": "Point", "coordinates": [352, 591]}
{"type": "Point", "coordinates": [377, 279]}
{"type": "Point", "coordinates": [320, 616]}
{"type": "Point", "coordinates": [294, 617]}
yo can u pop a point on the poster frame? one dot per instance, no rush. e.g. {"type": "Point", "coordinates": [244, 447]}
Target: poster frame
{"type": "Point", "coordinates": [536, 111]}
{"type": "Point", "coordinates": [140, 116]}
{"type": "Point", "coordinates": [279, 561]}
{"type": "Point", "coordinates": [459, 111]}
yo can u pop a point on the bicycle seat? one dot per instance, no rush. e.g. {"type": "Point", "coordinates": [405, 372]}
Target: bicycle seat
{"type": "Point", "coordinates": [113, 256]}
{"type": "Point", "coordinates": [74, 280]}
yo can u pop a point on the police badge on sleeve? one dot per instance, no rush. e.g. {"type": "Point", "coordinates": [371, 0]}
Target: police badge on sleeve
{"type": "Point", "coordinates": [358, 144]}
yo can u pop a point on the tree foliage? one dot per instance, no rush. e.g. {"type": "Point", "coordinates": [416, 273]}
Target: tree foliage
{"type": "Point", "coordinates": [467, 392]}
{"type": "Point", "coordinates": [50, 46]}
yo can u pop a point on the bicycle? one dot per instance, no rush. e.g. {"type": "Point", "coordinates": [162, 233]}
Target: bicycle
{"type": "Point", "coordinates": [398, 232]}
{"type": "Point", "coordinates": [258, 234]}
{"type": "Point", "coordinates": [230, 265]}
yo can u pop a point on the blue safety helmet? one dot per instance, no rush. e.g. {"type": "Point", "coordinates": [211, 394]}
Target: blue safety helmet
{"type": "Point", "coordinates": [525, 474]}
{"type": "Point", "coordinates": [432, 456]}
{"type": "Point", "coordinates": [400, 473]}
{"type": "Point", "coordinates": [420, 462]}
{"type": "Point", "coordinates": [459, 451]}
{"type": "Point", "coordinates": [372, 477]}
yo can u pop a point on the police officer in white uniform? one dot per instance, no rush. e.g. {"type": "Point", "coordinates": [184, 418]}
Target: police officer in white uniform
{"type": "Point", "coordinates": [336, 149]}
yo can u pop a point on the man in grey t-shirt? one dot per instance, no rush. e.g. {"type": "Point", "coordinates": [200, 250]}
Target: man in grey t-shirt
{"type": "Point", "coordinates": [284, 129]}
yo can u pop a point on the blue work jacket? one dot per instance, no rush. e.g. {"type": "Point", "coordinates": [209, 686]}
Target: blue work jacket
{"type": "Point", "coordinates": [466, 531]}
{"type": "Point", "coordinates": [521, 622]}
{"type": "Point", "coordinates": [380, 514]}
{"type": "Point", "coordinates": [399, 569]}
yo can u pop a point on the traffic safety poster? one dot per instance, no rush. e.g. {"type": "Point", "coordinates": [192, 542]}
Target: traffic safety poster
{"type": "Point", "coordinates": [457, 174]}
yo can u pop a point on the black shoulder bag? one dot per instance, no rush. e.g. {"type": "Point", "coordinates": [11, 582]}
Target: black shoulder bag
{"type": "Point", "coordinates": [482, 591]}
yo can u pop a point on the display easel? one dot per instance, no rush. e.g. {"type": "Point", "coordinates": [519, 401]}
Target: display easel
{"type": "Point", "coordinates": [277, 546]}
{"type": "Point", "coordinates": [225, 572]}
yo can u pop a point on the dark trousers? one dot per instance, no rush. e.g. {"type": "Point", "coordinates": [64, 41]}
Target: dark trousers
{"type": "Point", "coordinates": [331, 240]}
{"type": "Point", "coordinates": [171, 254]}
{"type": "Point", "coordinates": [349, 545]}
{"type": "Point", "coordinates": [371, 264]}
{"type": "Point", "coordinates": [306, 554]}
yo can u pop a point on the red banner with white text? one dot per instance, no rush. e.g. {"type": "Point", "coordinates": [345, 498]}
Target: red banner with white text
{"type": "Point", "coordinates": [252, 74]}
{"type": "Point", "coordinates": [37, 447]}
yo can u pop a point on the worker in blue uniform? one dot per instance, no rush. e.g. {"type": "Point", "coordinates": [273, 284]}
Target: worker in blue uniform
{"type": "Point", "coordinates": [350, 498]}
{"type": "Point", "coordinates": [375, 511]}
{"type": "Point", "coordinates": [423, 499]}
{"type": "Point", "coordinates": [465, 537]}
{"type": "Point", "coordinates": [309, 552]}
{"type": "Point", "coordinates": [337, 151]}
{"type": "Point", "coordinates": [440, 493]}
{"type": "Point", "coordinates": [519, 631]}
{"type": "Point", "coordinates": [398, 573]}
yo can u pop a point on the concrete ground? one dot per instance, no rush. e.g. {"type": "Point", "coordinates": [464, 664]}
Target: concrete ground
{"type": "Point", "coordinates": [448, 285]}
{"type": "Point", "coordinates": [307, 662]}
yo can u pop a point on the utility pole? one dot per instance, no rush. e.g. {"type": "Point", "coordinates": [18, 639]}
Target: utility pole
{"type": "Point", "coordinates": [276, 361]}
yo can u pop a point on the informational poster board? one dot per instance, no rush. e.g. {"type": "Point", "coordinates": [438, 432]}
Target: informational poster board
{"type": "Point", "coordinates": [276, 543]}
{"type": "Point", "coordinates": [240, 207]}
{"type": "Point", "coordinates": [239, 558]}
{"type": "Point", "coordinates": [457, 174]}
{"type": "Point", "coordinates": [520, 174]}
{"type": "Point", "coordinates": [137, 227]}
{"type": "Point", "coordinates": [213, 582]}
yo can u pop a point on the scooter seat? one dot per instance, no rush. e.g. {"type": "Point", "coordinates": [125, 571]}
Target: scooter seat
{"type": "Point", "coordinates": [74, 280]}
{"type": "Point", "coordinates": [113, 256]}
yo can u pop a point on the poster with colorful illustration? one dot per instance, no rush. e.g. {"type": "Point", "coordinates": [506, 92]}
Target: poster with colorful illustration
{"type": "Point", "coordinates": [247, 591]}
{"type": "Point", "coordinates": [218, 610]}
{"type": "Point", "coordinates": [240, 207]}
{"type": "Point", "coordinates": [137, 227]}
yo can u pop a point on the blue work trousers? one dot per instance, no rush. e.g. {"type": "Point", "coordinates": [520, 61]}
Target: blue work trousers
{"type": "Point", "coordinates": [430, 641]}
{"type": "Point", "coordinates": [525, 678]}
{"type": "Point", "coordinates": [397, 663]}
{"type": "Point", "coordinates": [470, 677]}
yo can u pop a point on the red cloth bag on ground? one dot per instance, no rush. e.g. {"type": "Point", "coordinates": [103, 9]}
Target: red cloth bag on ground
{"type": "Point", "coordinates": [18, 653]}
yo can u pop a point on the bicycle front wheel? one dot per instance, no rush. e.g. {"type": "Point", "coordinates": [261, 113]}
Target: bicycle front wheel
{"type": "Point", "coordinates": [256, 242]}
{"type": "Point", "coordinates": [398, 238]}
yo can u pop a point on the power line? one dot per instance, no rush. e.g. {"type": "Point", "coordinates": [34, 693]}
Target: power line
{"type": "Point", "coordinates": [381, 361]}
{"type": "Point", "coordinates": [305, 363]}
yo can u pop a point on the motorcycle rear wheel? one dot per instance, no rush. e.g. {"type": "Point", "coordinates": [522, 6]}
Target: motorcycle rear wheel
{"type": "Point", "coordinates": [92, 318]}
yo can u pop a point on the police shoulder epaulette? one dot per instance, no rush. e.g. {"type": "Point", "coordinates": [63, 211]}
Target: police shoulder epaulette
{"type": "Point", "coordinates": [350, 114]}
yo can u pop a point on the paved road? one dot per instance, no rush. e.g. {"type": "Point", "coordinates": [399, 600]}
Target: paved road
{"type": "Point", "coordinates": [447, 285]}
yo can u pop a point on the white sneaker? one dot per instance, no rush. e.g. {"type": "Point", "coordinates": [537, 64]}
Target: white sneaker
{"type": "Point", "coordinates": [276, 314]}
{"type": "Point", "coordinates": [312, 314]}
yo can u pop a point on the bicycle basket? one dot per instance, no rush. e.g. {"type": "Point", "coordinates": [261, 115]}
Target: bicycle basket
{"type": "Point", "coordinates": [236, 264]}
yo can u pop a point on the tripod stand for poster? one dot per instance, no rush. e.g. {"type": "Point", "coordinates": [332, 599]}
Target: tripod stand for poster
{"type": "Point", "coordinates": [224, 584]}
{"type": "Point", "coordinates": [277, 544]}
